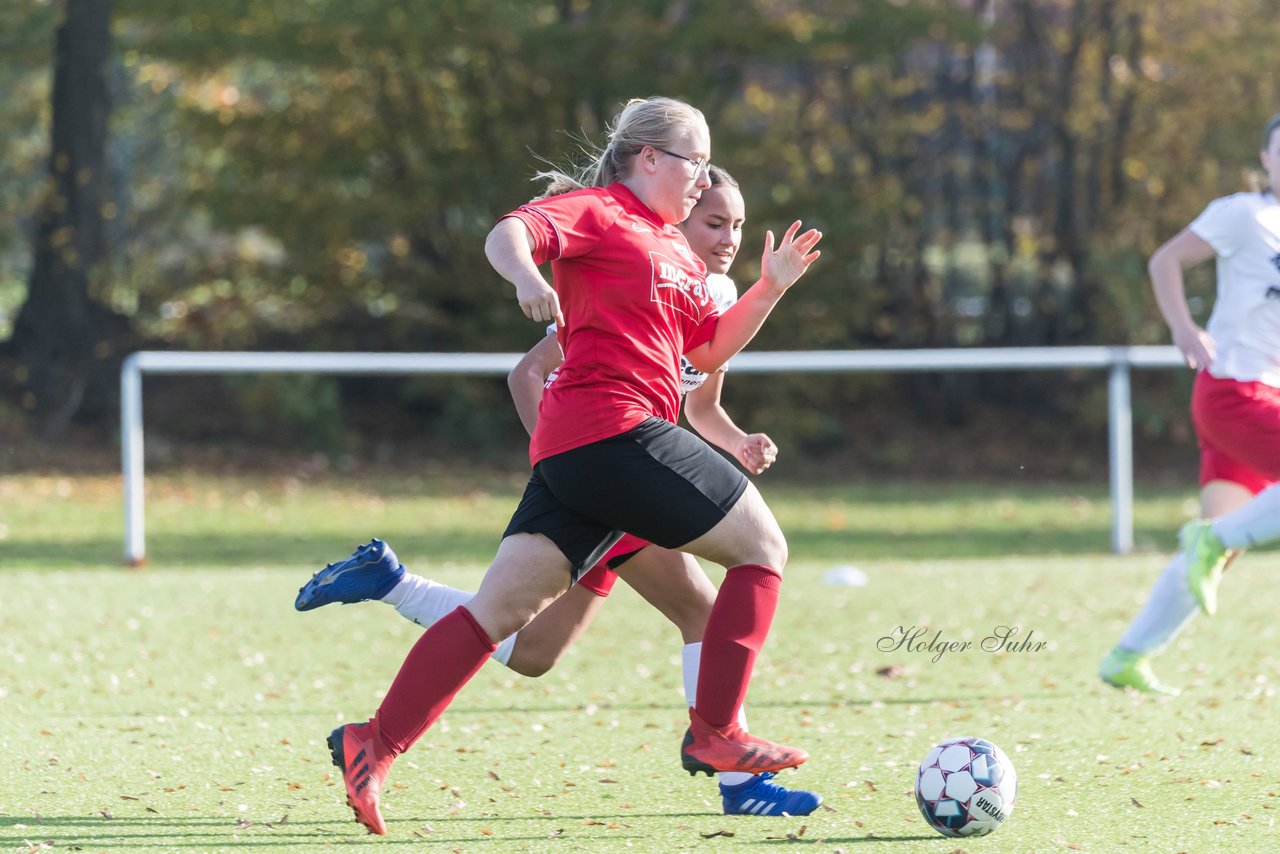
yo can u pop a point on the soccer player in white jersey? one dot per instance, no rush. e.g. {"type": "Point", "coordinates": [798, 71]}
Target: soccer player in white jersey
{"type": "Point", "coordinates": [673, 582]}
{"type": "Point", "coordinates": [1235, 407]}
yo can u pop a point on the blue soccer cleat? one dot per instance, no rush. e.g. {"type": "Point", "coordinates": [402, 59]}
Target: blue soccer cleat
{"type": "Point", "coordinates": [369, 573]}
{"type": "Point", "coordinates": [758, 796]}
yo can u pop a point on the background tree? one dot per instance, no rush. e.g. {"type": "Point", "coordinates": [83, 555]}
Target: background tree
{"type": "Point", "coordinates": [62, 337]}
{"type": "Point", "coordinates": [321, 175]}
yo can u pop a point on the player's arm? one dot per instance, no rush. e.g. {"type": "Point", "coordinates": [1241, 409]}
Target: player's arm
{"type": "Point", "coordinates": [509, 248]}
{"type": "Point", "coordinates": [1184, 250]}
{"type": "Point", "coordinates": [529, 376]}
{"type": "Point", "coordinates": [755, 451]}
{"type": "Point", "coordinates": [779, 270]}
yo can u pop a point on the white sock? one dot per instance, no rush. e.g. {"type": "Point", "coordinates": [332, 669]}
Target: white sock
{"type": "Point", "coordinates": [1254, 524]}
{"type": "Point", "coordinates": [1169, 607]}
{"type": "Point", "coordinates": [691, 660]}
{"type": "Point", "coordinates": [424, 601]}
{"type": "Point", "coordinates": [502, 654]}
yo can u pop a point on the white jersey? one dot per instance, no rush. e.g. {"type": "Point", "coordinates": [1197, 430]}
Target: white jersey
{"type": "Point", "coordinates": [1244, 231]}
{"type": "Point", "coordinates": [725, 294]}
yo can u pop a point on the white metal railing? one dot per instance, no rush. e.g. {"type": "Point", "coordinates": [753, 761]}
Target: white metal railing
{"type": "Point", "coordinates": [1118, 361]}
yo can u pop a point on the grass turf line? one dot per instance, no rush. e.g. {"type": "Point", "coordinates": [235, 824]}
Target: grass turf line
{"type": "Point", "coordinates": [184, 707]}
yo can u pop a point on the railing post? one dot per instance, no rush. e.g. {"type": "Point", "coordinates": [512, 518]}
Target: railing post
{"type": "Point", "coordinates": [1120, 446]}
{"type": "Point", "coordinates": [135, 548]}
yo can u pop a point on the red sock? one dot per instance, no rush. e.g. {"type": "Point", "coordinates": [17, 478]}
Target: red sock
{"type": "Point", "coordinates": [736, 630]}
{"type": "Point", "coordinates": [443, 660]}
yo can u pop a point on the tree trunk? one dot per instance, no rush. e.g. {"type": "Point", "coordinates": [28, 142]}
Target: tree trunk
{"type": "Point", "coordinates": [62, 338]}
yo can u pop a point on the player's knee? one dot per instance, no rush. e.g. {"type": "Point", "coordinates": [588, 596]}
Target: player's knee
{"type": "Point", "coordinates": [764, 550]}
{"type": "Point", "coordinates": [761, 535]}
{"type": "Point", "coordinates": [528, 668]}
{"type": "Point", "coordinates": [774, 548]}
{"type": "Point", "coordinates": [532, 663]}
{"type": "Point", "coordinates": [497, 622]}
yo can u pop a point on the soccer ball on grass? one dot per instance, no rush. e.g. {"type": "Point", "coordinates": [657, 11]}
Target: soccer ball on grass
{"type": "Point", "coordinates": [966, 787]}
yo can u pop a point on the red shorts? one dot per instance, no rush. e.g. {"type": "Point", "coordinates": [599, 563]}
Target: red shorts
{"type": "Point", "coordinates": [1238, 425]}
{"type": "Point", "coordinates": [601, 577]}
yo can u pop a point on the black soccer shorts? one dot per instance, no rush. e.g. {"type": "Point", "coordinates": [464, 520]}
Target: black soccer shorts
{"type": "Point", "coordinates": [656, 481]}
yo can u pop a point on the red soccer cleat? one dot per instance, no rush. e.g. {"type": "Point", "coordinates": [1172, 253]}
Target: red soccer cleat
{"type": "Point", "coordinates": [358, 751]}
{"type": "Point", "coordinates": [730, 748]}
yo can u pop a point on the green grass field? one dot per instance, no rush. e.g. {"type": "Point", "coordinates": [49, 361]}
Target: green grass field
{"type": "Point", "coordinates": [184, 707]}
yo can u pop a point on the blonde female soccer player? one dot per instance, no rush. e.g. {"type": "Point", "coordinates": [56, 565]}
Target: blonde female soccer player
{"type": "Point", "coordinates": [671, 581]}
{"type": "Point", "coordinates": [634, 300]}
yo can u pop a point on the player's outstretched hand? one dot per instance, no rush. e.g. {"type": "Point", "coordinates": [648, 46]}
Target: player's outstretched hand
{"type": "Point", "coordinates": [757, 452]}
{"type": "Point", "coordinates": [781, 267]}
{"type": "Point", "coordinates": [538, 300]}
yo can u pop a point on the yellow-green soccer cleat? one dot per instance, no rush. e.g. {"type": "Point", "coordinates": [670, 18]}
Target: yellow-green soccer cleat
{"type": "Point", "coordinates": [1125, 669]}
{"type": "Point", "coordinates": [1206, 559]}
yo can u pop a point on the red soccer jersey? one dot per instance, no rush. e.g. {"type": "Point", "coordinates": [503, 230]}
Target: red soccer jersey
{"type": "Point", "coordinates": [634, 298]}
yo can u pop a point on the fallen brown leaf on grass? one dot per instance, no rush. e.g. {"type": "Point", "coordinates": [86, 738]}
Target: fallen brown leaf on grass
{"type": "Point", "coordinates": [793, 836]}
